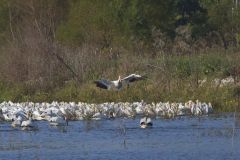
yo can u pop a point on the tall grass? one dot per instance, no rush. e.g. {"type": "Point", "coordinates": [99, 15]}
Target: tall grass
{"type": "Point", "coordinates": [170, 78]}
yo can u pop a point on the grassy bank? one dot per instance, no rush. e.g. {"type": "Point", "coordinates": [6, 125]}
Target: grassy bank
{"type": "Point", "coordinates": [170, 78]}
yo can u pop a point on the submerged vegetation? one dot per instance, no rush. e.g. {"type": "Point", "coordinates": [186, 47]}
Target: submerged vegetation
{"type": "Point", "coordinates": [55, 49]}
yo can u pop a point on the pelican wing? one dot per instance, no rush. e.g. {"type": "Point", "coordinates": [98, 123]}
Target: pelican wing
{"type": "Point", "coordinates": [105, 84]}
{"type": "Point", "coordinates": [149, 121]}
{"type": "Point", "coordinates": [133, 78]}
{"type": "Point", "coordinates": [143, 120]}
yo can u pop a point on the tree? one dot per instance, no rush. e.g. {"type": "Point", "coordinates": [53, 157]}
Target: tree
{"type": "Point", "coordinates": [193, 13]}
{"type": "Point", "coordinates": [224, 18]}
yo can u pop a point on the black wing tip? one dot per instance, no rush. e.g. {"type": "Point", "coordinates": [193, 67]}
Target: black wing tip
{"type": "Point", "coordinates": [100, 85]}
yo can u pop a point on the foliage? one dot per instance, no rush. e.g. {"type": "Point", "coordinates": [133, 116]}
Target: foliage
{"type": "Point", "coordinates": [54, 49]}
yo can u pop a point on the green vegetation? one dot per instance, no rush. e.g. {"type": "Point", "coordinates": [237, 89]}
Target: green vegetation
{"type": "Point", "coordinates": [177, 82]}
{"type": "Point", "coordinates": [55, 49]}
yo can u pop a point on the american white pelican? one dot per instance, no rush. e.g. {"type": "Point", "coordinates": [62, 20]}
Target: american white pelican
{"type": "Point", "coordinates": [118, 84]}
{"type": "Point", "coordinates": [57, 112]}
{"type": "Point", "coordinates": [145, 122]}
{"type": "Point", "coordinates": [18, 117]}
{"type": "Point", "coordinates": [17, 122]}
{"type": "Point", "coordinates": [28, 123]}
{"type": "Point", "coordinates": [111, 115]}
{"type": "Point", "coordinates": [58, 121]}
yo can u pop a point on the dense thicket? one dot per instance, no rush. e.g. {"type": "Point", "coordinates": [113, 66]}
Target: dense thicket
{"type": "Point", "coordinates": [54, 49]}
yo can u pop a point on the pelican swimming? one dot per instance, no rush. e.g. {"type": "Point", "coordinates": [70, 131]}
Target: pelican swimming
{"type": "Point", "coordinates": [17, 122]}
{"type": "Point", "coordinates": [145, 122]}
{"type": "Point", "coordinates": [58, 121]}
{"type": "Point", "coordinates": [58, 113]}
{"type": "Point", "coordinates": [28, 124]}
{"type": "Point", "coordinates": [111, 115]}
{"type": "Point", "coordinates": [118, 84]}
{"type": "Point", "coordinates": [18, 118]}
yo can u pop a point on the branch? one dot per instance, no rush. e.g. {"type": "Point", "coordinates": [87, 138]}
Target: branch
{"type": "Point", "coordinates": [10, 21]}
{"type": "Point", "coordinates": [74, 74]}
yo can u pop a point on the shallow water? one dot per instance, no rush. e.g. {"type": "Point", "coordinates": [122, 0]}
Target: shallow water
{"type": "Point", "coordinates": [208, 137]}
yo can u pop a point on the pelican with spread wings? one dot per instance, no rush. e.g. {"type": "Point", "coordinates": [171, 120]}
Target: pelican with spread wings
{"type": "Point", "coordinates": [118, 84]}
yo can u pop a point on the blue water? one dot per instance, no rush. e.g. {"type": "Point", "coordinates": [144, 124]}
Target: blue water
{"type": "Point", "coordinates": [211, 137]}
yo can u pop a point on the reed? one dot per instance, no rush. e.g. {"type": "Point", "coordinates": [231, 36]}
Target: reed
{"type": "Point", "coordinates": [170, 78]}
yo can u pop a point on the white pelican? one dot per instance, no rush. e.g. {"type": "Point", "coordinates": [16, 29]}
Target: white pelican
{"type": "Point", "coordinates": [145, 122]}
{"type": "Point", "coordinates": [28, 123]}
{"type": "Point", "coordinates": [111, 115]}
{"type": "Point", "coordinates": [58, 121]}
{"type": "Point", "coordinates": [118, 84]}
{"type": "Point", "coordinates": [17, 122]}
{"type": "Point", "coordinates": [18, 118]}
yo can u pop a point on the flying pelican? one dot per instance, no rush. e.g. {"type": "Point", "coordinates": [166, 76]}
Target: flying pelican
{"type": "Point", "coordinates": [145, 122]}
{"type": "Point", "coordinates": [118, 84]}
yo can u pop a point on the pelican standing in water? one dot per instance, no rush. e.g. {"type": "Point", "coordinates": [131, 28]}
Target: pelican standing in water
{"type": "Point", "coordinates": [118, 84]}
{"type": "Point", "coordinates": [146, 122]}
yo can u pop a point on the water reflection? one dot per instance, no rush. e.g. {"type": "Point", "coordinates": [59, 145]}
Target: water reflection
{"type": "Point", "coordinates": [62, 129]}
{"type": "Point", "coordinates": [90, 125]}
{"type": "Point", "coordinates": [182, 137]}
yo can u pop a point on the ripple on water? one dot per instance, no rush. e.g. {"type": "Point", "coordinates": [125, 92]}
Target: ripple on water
{"type": "Point", "coordinates": [206, 137]}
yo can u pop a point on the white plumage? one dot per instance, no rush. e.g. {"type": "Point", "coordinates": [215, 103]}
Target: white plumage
{"type": "Point", "coordinates": [27, 123]}
{"type": "Point", "coordinates": [118, 84]}
{"type": "Point", "coordinates": [58, 121]}
{"type": "Point", "coordinates": [145, 122]}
